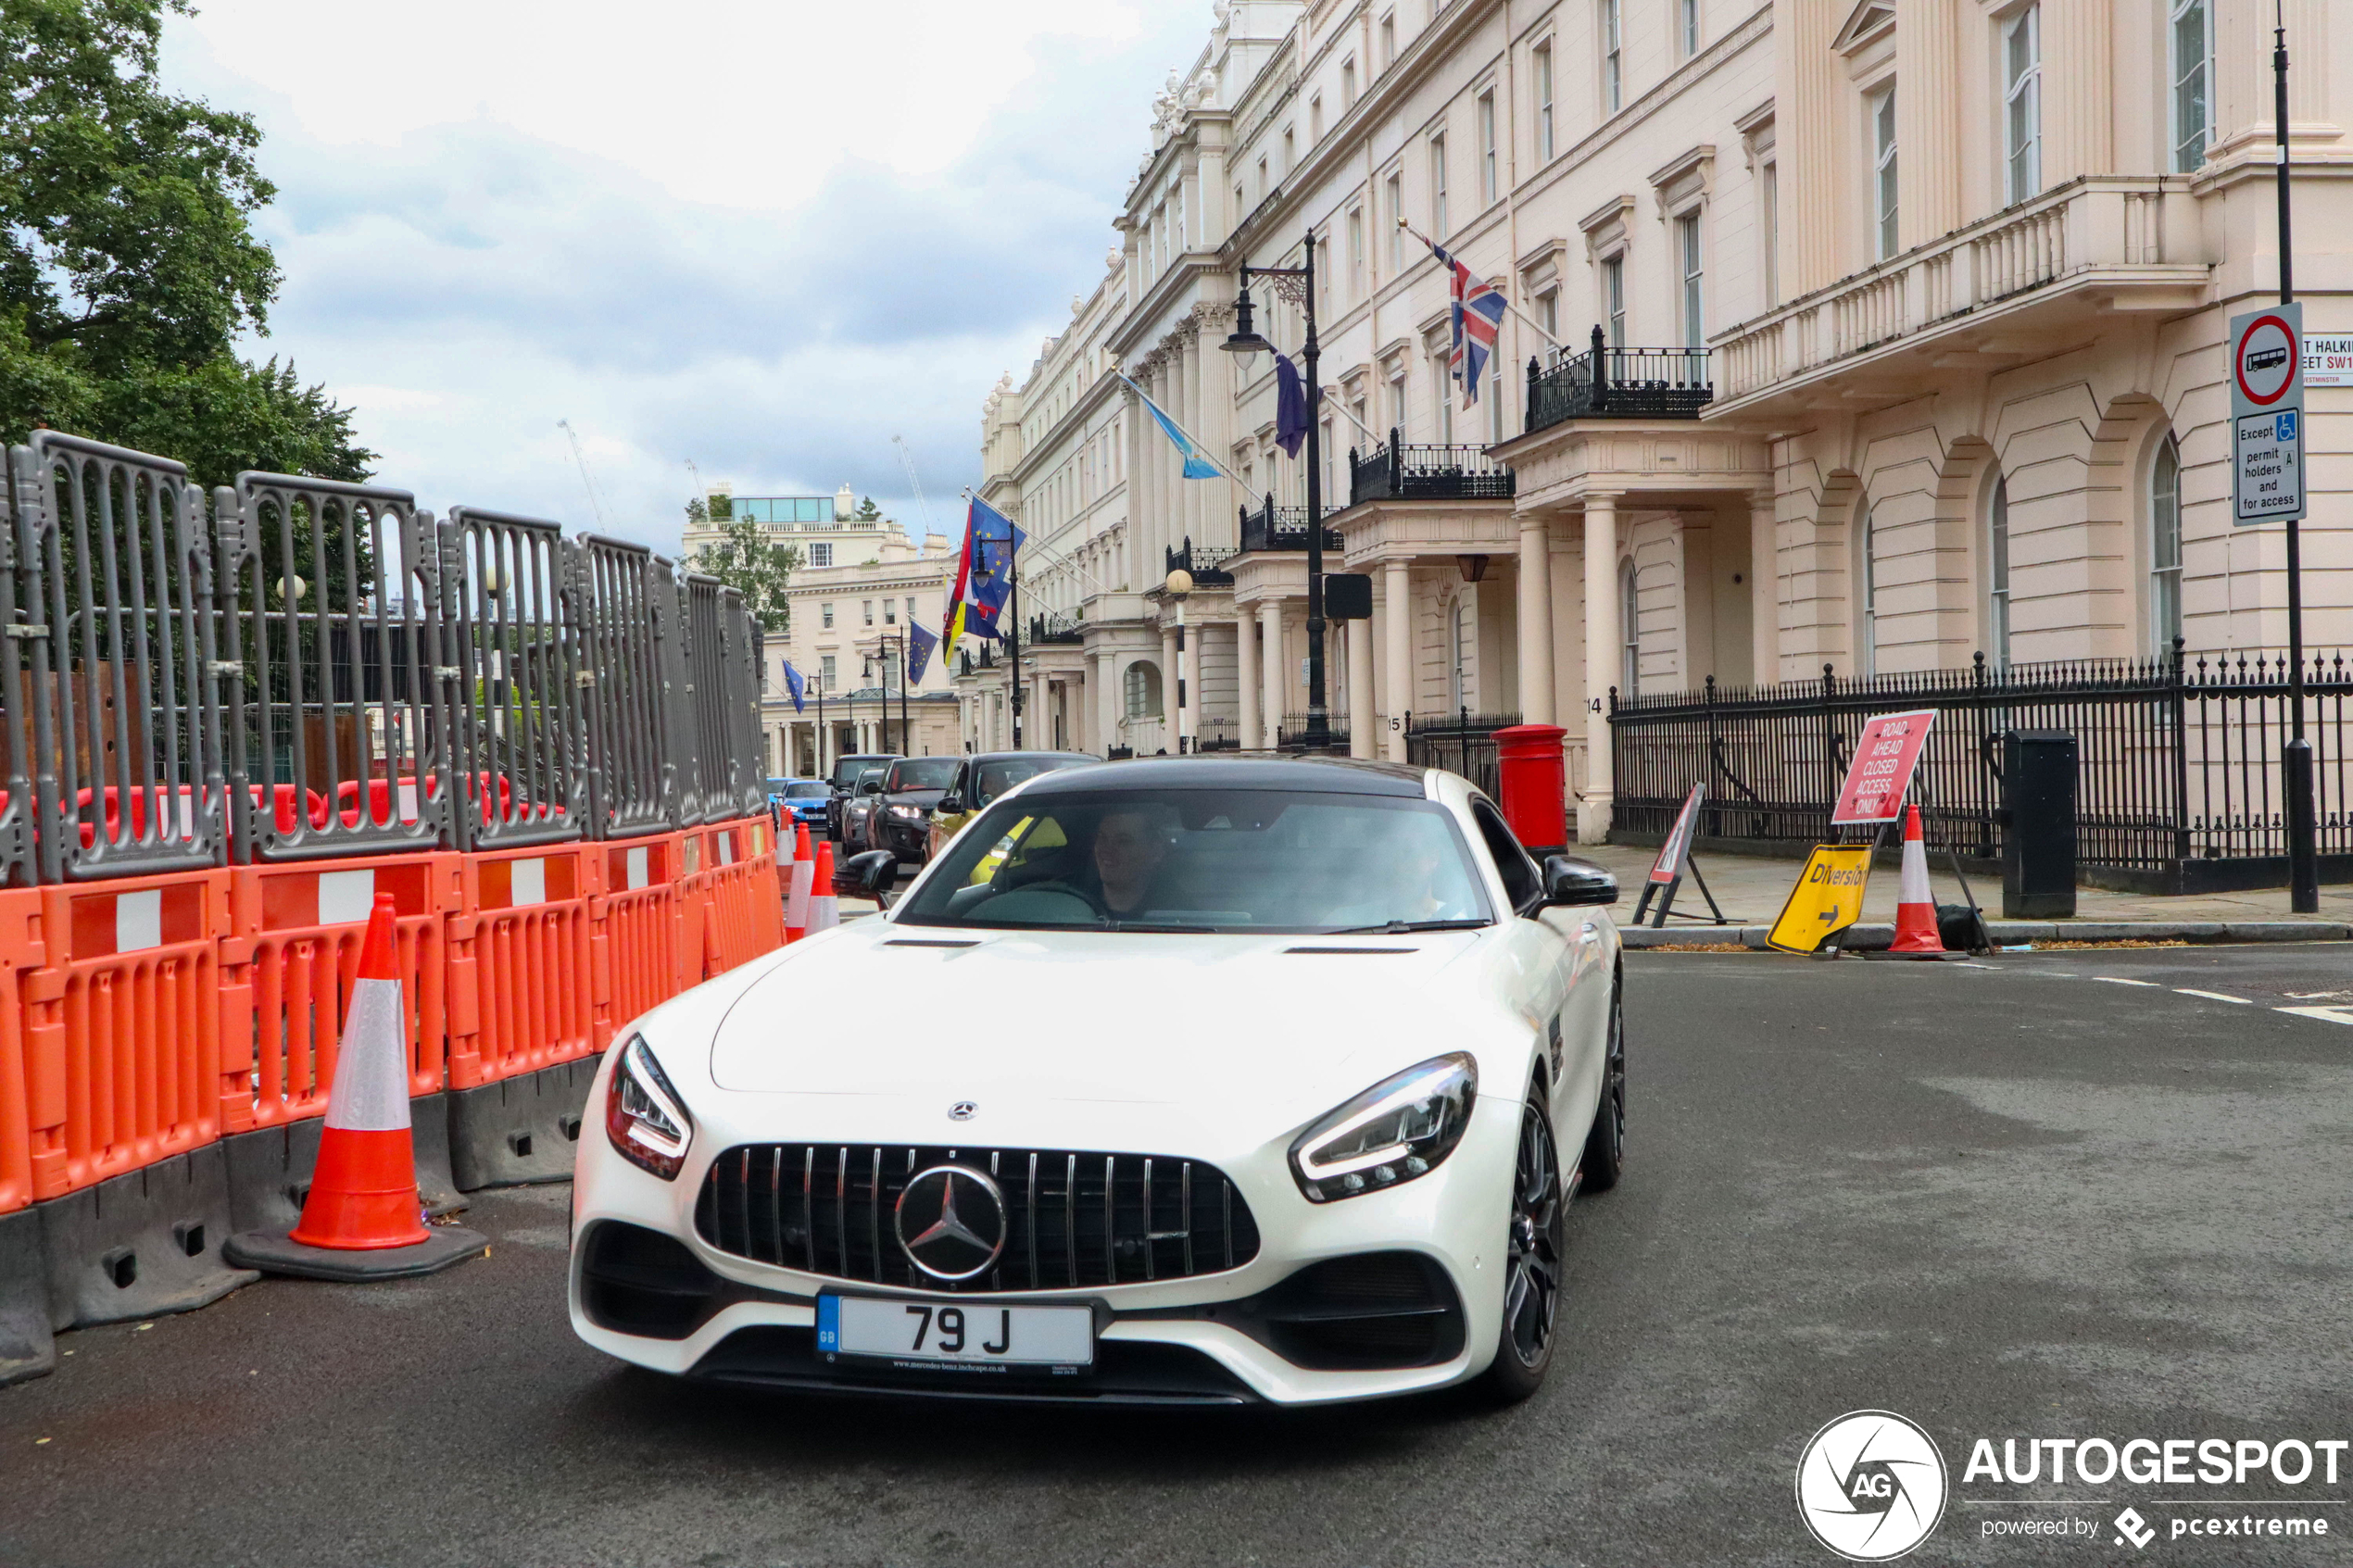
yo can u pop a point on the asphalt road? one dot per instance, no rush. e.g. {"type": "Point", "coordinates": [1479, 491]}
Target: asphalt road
{"type": "Point", "coordinates": [2010, 1201]}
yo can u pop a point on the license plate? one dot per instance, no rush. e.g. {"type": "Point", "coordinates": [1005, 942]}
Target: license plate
{"type": "Point", "coordinates": [968, 1335]}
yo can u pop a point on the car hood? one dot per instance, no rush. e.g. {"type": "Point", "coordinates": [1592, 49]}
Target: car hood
{"type": "Point", "coordinates": [1097, 1017]}
{"type": "Point", "coordinates": [927, 798]}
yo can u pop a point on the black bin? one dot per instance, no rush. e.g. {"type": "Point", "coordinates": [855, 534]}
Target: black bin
{"type": "Point", "coordinates": [2038, 824]}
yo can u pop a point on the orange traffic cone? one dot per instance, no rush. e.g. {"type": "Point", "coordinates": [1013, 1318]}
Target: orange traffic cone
{"type": "Point", "coordinates": [361, 1218]}
{"type": "Point", "coordinates": [1914, 905]}
{"type": "Point", "coordinates": [824, 909]}
{"type": "Point", "coordinates": [804, 873]}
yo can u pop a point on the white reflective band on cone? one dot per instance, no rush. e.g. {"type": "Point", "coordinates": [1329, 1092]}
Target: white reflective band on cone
{"type": "Point", "coordinates": [1915, 889]}
{"type": "Point", "coordinates": [371, 1065]}
{"type": "Point", "coordinates": [804, 875]}
{"type": "Point", "coordinates": [825, 912]}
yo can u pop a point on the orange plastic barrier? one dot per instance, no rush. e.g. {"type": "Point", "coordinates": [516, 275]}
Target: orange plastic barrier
{"type": "Point", "coordinates": [634, 931]}
{"type": "Point", "coordinates": [287, 972]}
{"type": "Point", "coordinates": [744, 908]}
{"type": "Point", "coordinates": [521, 994]}
{"type": "Point", "coordinates": [121, 1026]}
{"type": "Point", "coordinates": [21, 942]}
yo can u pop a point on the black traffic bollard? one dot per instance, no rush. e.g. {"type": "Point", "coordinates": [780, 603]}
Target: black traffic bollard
{"type": "Point", "coordinates": [2038, 824]}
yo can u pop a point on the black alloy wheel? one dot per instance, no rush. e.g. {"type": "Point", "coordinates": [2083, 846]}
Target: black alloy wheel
{"type": "Point", "coordinates": [1532, 1260]}
{"type": "Point", "coordinates": [1605, 1144]}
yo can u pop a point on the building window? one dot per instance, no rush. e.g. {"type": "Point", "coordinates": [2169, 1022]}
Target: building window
{"type": "Point", "coordinates": [910, 612]}
{"type": "Point", "coordinates": [2165, 548]}
{"type": "Point", "coordinates": [2022, 97]}
{"type": "Point", "coordinates": [825, 616]}
{"type": "Point", "coordinates": [1544, 102]}
{"type": "Point", "coordinates": [1613, 58]}
{"type": "Point", "coordinates": [1997, 574]}
{"type": "Point", "coordinates": [2193, 45]}
{"type": "Point", "coordinates": [1442, 388]}
{"type": "Point", "coordinates": [1143, 691]}
{"type": "Point", "coordinates": [1262, 179]}
{"type": "Point", "coordinates": [825, 672]}
{"type": "Point", "coordinates": [1241, 206]}
{"type": "Point", "coordinates": [1866, 626]}
{"type": "Point", "coordinates": [1356, 253]}
{"type": "Point", "coordinates": [1687, 248]}
{"type": "Point", "coordinates": [1687, 27]}
{"type": "Point", "coordinates": [1492, 395]}
{"type": "Point", "coordinates": [1613, 298]}
{"type": "Point", "coordinates": [1438, 187]}
{"type": "Point", "coordinates": [1772, 198]}
{"type": "Point", "coordinates": [1883, 177]}
{"type": "Point", "coordinates": [1548, 310]}
{"type": "Point", "coordinates": [820, 553]}
{"type": "Point", "coordinates": [1315, 120]}
{"type": "Point", "coordinates": [1488, 172]}
{"type": "Point", "coordinates": [1389, 41]}
{"type": "Point", "coordinates": [1629, 633]}
{"type": "Point", "coordinates": [1397, 398]}
{"type": "Point", "coordinates": [1291, 151]}
{"type": "Point", "coordinates": [866, 609]}
{"type": "Point", "coordinates": [1396, 188]}
{"type": "Point", "coordinates": [1347, 84]}
{"type": "Point", "coordinates": [890, 612]}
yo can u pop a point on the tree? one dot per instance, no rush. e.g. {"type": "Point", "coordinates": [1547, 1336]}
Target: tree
{"type": "Point", "coordinates": [748, 563]}
{"type": "Point", "coordinates": [127, 265]}
{"type": "Point", "coordinates": [867, 511]}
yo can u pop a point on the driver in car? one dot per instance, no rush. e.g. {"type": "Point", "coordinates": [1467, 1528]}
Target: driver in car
{"type": "Point", "coordinates": [1129, 844]}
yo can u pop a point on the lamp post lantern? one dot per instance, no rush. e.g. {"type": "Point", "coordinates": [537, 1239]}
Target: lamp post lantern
{"type": "Point", "coordinates": [1245, 340]}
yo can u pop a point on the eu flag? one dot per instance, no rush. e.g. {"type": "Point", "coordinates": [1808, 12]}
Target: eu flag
{"type": "Point", "coordinates": [919, 645]}
{"type": "Point", "coordinates": [796, 684]}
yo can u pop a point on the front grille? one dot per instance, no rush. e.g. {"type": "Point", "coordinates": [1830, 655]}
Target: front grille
{"type": "Point", "coordinates": [1076, 1219]}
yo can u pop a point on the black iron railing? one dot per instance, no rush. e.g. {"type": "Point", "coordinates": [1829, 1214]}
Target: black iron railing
{"type": "Point", "coordinates": [1205, 563]}
{"type": "Point", "coordinates": [1217, 734]}
{"type": "Point", "coordinates": [2178, 782]}
{"type": "Point", "coordinates": [1055, 627]}
{"type": "Point", "coordinates": [1280, 527]}
{"type": "Point", "coordinates": [1619, 384]}
{"type": "Point", "coordinates": [1403, 471]}
{"type": "Point", "coordinates": [1461, 742]}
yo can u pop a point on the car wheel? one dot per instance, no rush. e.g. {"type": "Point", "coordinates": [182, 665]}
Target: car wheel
{"type": "Point", "coordinates": [1605, 1144]}
{"type": "Point", "coordinates": [1532, 1262]}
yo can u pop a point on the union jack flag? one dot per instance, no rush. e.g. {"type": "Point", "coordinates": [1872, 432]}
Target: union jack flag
{"type": "Point", "coordinates": [1477, 311]}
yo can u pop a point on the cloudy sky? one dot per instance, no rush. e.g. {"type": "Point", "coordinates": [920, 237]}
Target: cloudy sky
{"type": "Point", "coordinates": [763, 235]}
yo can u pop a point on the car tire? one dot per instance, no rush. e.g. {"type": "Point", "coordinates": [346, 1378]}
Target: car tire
{"type": "Point", "coordinates": [1605, 1153]}
{"type": "Point", "coordinates": [1536, 1240]}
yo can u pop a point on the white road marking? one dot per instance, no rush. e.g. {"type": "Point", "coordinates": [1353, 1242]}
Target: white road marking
{"type": "Point", "coordinates": [2115, 980]}
{"type": "Point", "coordinates": [2327, 1015]}
{"type": "Point", "coordinates": [2315, 996]}
{"type": "Point", "coordinates": [2213, 996]}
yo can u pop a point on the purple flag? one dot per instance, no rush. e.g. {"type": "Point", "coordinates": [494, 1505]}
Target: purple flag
{"type": "Point", "coordinates": [1290, 406]}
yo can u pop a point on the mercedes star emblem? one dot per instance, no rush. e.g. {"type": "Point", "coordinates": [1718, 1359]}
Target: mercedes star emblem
{"type": "Point", "coordinates": [963, 1111]}
{"type": "Point", "coordinates": [951, 1221]}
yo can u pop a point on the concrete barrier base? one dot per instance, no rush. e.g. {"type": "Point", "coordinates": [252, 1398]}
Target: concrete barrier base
{"type": "Point", "coordinates": [274, 1252]}
{"type": "Point", "coordinates": [519, 1130]}
{"type": "Point", "coordinates": [28, 1345]}
{"type": "Point", "coordinates": [142, 1244]}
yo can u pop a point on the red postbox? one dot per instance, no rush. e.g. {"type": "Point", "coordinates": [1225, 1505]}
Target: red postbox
{"type": "Point", "coordinates": [1534, 773]}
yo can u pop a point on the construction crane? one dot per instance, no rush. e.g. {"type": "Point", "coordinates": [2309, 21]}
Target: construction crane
{"type": "Point", "coordinates": [587, 481]}
{"type": "Point", "coordinates": [907, 456]}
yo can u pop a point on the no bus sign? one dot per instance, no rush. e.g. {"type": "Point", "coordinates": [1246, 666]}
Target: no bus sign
{"type": "Point", "coordinates": [1886, 754]}
{"type": "Point", "coordinates": [2267, 414]}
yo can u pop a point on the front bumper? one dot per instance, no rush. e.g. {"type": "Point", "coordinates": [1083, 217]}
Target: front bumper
{"type": "Point", "coordinates": [1208, 1338]}
{"type": "Point", "coordinates": [909, 841]}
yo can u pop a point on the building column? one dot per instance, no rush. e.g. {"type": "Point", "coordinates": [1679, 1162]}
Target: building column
{"type": "Point", "coordinates": [1535, 621]}
{"type": "Point", "coordinates": [1168, 726]}
{"type": "Point", "coordinates": [1247, 679]}
{"type": "Point", "coordinates": [1107, 701]}
{"type": "Point", "coordinates": [1764, 595]}
{"type": "Point", "coordinates": [1397, 585]}
{"type": "Point", "coordinates": [1270, 622]}
{"type": "Point", "coordinates": [1361, 740]}
{"type": "Point", "coordinates": [1601, 664]}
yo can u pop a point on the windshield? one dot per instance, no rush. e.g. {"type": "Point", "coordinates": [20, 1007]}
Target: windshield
{"type": "Point", "coordinates": [847, 769]}
{"type": "Point", "coordinates": [807, 789]}
{"type": "Point", "coordinates": [923, 773]}
{"type": "Point", "coordinates": [996, 778]}
{"type": "Point", "coordinates": [1204, 859]}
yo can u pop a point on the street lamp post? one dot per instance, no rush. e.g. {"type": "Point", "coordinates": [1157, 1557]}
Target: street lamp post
{"type": "Point", "coordinates": [1179, 586]}
{"type": "Point", "coordinates": [1245, 340]}
{"type": "Point", "coordinates": [2296, 761]}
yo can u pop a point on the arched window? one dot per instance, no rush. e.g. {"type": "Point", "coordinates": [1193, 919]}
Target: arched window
{"type": "Point", "coordinates": [1144, 690]}
{"type": "Point", "coordinates": [1997, 574]}
{"type": "Point", "coordinates": [1866, 595]}
{"type": "Point", "coordinates": [2165, 548]}
{"type": "Point", "coordinates": [1629, 633]}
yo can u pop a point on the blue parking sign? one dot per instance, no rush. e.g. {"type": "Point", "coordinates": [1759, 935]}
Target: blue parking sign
{"type": "Point", "coordinates": [2285, 427]}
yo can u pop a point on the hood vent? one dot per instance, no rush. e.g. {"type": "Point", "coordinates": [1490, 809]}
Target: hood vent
{"type": "Point", "coordinates": [1351, 950]}
{"type": "Point", "coordinates": [932, 942]}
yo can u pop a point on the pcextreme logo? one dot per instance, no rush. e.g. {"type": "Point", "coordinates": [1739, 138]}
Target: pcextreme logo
{"type": "Point", "coordinates": [1870, 1485]}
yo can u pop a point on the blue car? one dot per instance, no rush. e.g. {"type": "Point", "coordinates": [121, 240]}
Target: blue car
{"type": "Point", "coordinates": [802, 799]}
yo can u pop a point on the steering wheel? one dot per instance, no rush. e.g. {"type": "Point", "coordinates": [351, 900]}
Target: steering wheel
{"type": "Point", "coordinates": [1057, 887]}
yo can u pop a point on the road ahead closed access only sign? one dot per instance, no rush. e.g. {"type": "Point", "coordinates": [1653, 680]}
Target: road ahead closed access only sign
{"type": "Point", "coordinates": [2267, 415]}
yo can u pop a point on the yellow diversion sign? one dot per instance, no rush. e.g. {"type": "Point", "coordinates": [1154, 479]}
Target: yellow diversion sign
{"type": "Point", "coordinates": [1828, 897]}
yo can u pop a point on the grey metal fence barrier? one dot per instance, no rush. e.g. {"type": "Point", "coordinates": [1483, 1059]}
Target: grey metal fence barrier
{"type": "Point", "coordinates": [740, 667]}
{"type": "Point", "coordinates": [517, 701]}
{"type": "Point", "coordinates": [624, 605]}
{"type": "Point", "coordinates": [114, 667]}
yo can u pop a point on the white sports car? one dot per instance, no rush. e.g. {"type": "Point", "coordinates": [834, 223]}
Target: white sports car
{"type": "Point", "coordinates": [1209, 1079]}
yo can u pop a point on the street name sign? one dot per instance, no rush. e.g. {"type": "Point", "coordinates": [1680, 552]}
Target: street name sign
{"type": "Point", "coordinates": [2267, 415]}
{"type": "Point", "coordinates": [2328, 359]}
{"type": "Point", "coordinates": [1885, 755]}
{"type": "Point", "coordinates": [1827, 899]}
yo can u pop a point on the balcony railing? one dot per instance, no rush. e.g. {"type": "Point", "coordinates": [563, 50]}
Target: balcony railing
{"type": "Point", "coordinates": [1056, 627]}
{"type": "Point", "coordinates": [1421, 472]}
{"type": "Point", "coordinates": [2115, 226]}
{"type": "Point", "coordinates": [1619, 384]}
{"type": "Point", "coordinates": [1205, 563]}
{"type": "Point", "coordinates": [1280, 527]}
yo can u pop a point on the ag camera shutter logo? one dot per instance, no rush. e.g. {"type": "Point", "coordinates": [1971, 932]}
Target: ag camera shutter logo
{"type": "Point", "coordinates": [1872, 1486]}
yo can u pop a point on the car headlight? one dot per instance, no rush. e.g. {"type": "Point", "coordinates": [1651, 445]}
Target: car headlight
{"type": "Point", "coordinates": [644, 1117]}
{"type": "Point", "coordinates": [907, 813]}
{"type": "Point", "coordinates": [1400, 1128]}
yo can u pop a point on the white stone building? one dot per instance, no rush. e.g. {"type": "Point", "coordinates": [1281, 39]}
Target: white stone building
{"type": "Point", "coordinates": [1912, 319]}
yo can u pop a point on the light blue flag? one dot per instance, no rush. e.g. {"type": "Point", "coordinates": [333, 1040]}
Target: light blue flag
{"type": "Point", "coordinates": [1197, 464]}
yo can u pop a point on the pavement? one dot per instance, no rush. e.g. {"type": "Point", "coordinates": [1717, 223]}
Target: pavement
{"type": "Point", "coordinates": [1751, 889]}
{"type": "Point", "coordinates": [2063, 1194]}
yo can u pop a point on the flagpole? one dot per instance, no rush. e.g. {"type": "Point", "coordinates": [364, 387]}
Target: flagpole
{"type": "Point", "coordinates": [1207, 455]}
{"type": "Point", "coordinates": [1534, 324]}
{"type": "Point", "coordinates": [1012, 633]}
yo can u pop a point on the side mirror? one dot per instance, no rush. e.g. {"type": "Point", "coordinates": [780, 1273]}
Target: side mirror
{"type": "Point", "coordinates": [1570, 883]}
{"type": "Point", "coordinates": [869, 875]}
{"type": "Point", "coordinates": [870, 786]}
{"type": "Point", "coordinates": [950, 805]}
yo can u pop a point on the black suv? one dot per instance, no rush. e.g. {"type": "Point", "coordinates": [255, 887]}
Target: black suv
{"type": "Point", "coordinates": [843, 780]}
{"type": "Point", "coordinates": [901, 823]}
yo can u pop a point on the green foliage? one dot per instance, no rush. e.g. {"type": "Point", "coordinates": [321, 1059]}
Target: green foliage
{"type": "Point", "coordinates": [867, 511]}
{"type": "Point", "coordinates": [127, 265]}
{"type": "Point", "coordinates": [746, 562]}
